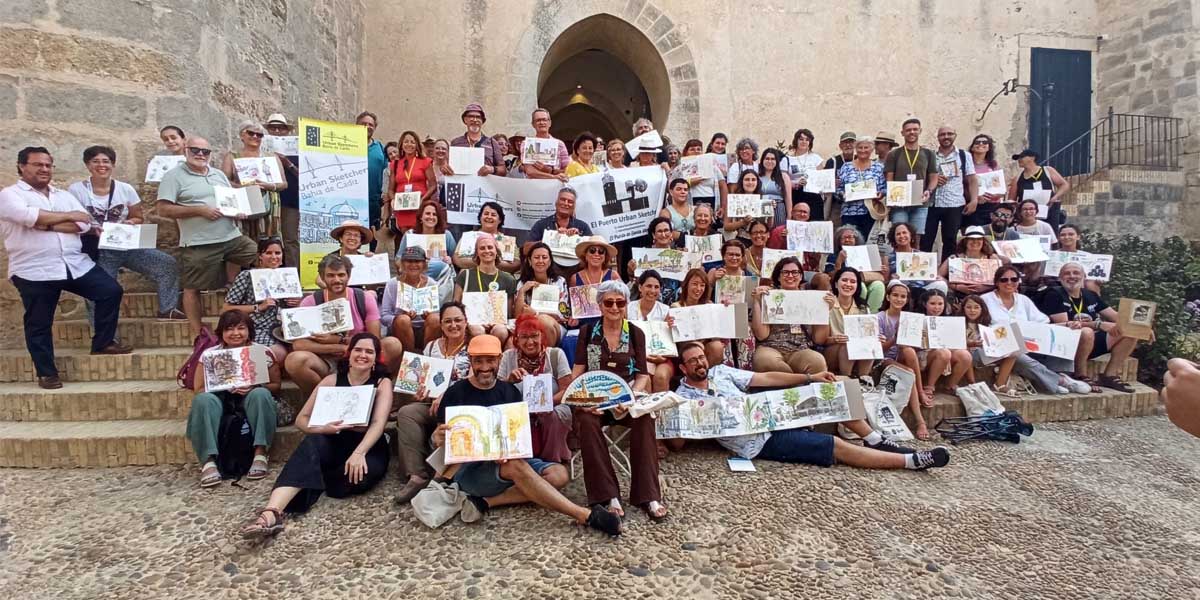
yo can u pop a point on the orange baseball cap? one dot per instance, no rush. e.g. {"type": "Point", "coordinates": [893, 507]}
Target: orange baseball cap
{"type": "Point", "coordinates": [484, 345]}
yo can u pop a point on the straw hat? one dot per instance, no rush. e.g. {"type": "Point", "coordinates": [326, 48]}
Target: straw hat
{"type": "Point", "coordinates": [595, 240]}
{"type": "Point", "coordinates": [337, 232]}
{"type": "Point", "coordinates": [877, 207]}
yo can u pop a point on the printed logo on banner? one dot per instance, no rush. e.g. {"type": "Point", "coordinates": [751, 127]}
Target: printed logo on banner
{"type": "Point", "coordinates": [635, 199]}
{"type": "Point", "coordinates": [312, 135]}
{"type": "Point", "coordinates": [455, 193]}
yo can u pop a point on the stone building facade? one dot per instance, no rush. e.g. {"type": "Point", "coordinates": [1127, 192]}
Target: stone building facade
{"type": "Point", "coordinates": [74, 73]}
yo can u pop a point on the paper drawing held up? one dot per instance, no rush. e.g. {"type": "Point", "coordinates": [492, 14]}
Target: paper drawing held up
{"type": "Point", "coordinates": [669, 262]}
{"type": "Point", "coordinates": [659, 341]}
{"type": "Point", "coordinates": [486, 308]}
{"type": "Point", "coordinates": [478, 433]}
{"type": "Point", "coordinates": [538, 392]}
{"type": "Point", "coordinates": [307, 321]}
{"type": "Point", "coordinates": [815, 236]}
{"type": "Point", "coordinates": [406, 201]}
{"type": "Point", "coordinates": [795, 307]}
{"type": "Point", "coordinates": [283, 282]}
{"type": "Point", "coordinates": [584, 304]}
{"type": "Point", "coordinates": [916, 266]}
{"type": "Point", "coordinates": [417, 369]}
{"type": "Point", "coordinates": [349, 405]}
{"type": "Point", "coordinates": [230, 368]}
{"type": "Point", "coordinates": [420, 300]}
{"type": "Point", "coordinates": [753, 206]}
{"type": "Point", "coordinates": [973, 270]}
{"type": "Point", "coordinates": [707, 247]}
{"type": "Point", "coordinates": [159, 165]}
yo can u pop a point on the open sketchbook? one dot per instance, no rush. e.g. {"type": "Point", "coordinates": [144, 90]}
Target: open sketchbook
{"type": "Point", "coordinates": [350, 405]}
{"type": "Point", "coordinates": [725, 416]}
{"type": "Point", "coordinates": [478, 433]}
{"type": "Point", "coordinates": [231, 368]}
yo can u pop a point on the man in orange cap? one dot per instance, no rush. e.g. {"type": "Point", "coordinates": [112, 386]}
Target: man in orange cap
{"type": "Point", "coordinates": [517, 481]}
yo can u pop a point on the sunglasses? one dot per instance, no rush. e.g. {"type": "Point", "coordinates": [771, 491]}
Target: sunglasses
{"type": "Point", "coordinates": [597, 250]}
{"type": "Point", "coordinates": [611, 302]}
{"type": "Point", "coordinates": [978, 142]}
{"type": "Point", "coordinates": [199, 151]}
{"type": "Point", "coordinates": [1002, 215]}
{"type": "Point", "coordinates": [1009, 280]}
{"type": "Point", "coordinates": [253, 134]}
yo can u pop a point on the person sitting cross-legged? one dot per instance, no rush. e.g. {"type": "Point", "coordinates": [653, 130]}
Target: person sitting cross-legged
{"type": "Point", "coordinates": [517, 481]}
{"type": "Point", "coordinates": [796, 445]}
{"type": "Point", "coordinates": [315, 357]}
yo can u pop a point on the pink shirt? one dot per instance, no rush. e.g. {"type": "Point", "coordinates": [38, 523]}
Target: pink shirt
{"type": "Point", "coordinates": [359, 325]}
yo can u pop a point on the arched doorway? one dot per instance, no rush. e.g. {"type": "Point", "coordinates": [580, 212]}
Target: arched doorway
{"type": "Point", "coordinates": [601, 75]}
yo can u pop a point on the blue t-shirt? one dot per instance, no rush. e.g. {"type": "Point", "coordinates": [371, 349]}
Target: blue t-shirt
{"type": "Point", "coordinates": [376, 163]}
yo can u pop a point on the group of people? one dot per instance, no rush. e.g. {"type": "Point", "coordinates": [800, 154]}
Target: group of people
{"type": "Point", "coordinates": [45, 231]}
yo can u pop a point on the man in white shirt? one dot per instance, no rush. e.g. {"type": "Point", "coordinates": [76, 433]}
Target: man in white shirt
{"type": "Point", "coordinates": [41, 225]}
{"type": "Point", "coordinates": [540, 119]}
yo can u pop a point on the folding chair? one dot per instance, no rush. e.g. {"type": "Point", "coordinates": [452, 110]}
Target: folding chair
{"type": "Point", "coordinates": [614, 450]}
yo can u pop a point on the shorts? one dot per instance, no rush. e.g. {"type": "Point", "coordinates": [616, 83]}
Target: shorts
{"type": "Point", "coordinates": [799, 446]}
{"type": "Point", "coordinates": [203, 267]}
{"type": "Point", "coordinates": [1100, 348]}
{"type": "Point", "coordinates": [483, 478]}
{"type": "Point", "coordinates": [913, 215]}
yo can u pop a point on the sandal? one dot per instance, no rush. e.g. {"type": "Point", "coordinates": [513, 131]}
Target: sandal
{"type": "Point", "coordinates": [1113, 382]}
{"type": "Point", "coordinates": [210, 475]}
{"type": "Point", "coordinates": [258, 467]}
{"type": "Point", "coordinates": [656, 510]}
{"type": "Point", "coordinates": [926, 394]}
{"type": "Point", "coordinates": [1095, 389]}
{"type": "Point", "coordinates": [253, 529]}
{"type": "Point", "coordinates": [1007, 392]}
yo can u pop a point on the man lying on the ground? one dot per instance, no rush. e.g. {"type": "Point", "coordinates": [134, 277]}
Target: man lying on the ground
{"type": "Point", "coordinates": [796, 445]}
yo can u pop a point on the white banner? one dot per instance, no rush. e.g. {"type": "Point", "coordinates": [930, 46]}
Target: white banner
{"type": "Point", "coordinates": [618, 204]}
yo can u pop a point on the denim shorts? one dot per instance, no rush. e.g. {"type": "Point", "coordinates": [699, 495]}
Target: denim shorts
{"type": "Point", "coordinates": [483, 478]}
{"type": "Point", "coordinates": [913, 215]}
{"type": "Point", "coordinates": [799, 446]}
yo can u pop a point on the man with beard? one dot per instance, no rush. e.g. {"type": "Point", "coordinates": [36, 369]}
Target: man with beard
{"type": "Point", "coordinates": [493, 154]}
{"type": "Point", "coordinates": [796, 445]}
{"type": "Point", "coordinates": [314, 357]}
{"type": "Point", "coordinates": [1001, 219]}
{"type": "Point", "coordinates": [1096, 321]}
{"type": "Point", "coordinates": [517, 481]}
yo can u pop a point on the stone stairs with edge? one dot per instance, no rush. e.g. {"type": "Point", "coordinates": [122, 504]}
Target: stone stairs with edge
{"type": "Point", "coordinates": [127, 410]}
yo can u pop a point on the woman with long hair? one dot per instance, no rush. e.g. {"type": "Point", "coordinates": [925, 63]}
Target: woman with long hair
{"type": "Point", "coordinates": [844, 300]}
{"type": "Point", "coordinates": [264, 314]}
{"type": "Point", "coordinates": [748, 182]}
{"type": "Point", "coordinates": [696, 291]}
{"type": "Point", "coordinates": [336, 459]}
{"type": "Point", "coordinates": [538, 268]}
{"type": "Point", "coordinates": [409, 172]}
{"type": "Point", "coordinates": [776, 185]}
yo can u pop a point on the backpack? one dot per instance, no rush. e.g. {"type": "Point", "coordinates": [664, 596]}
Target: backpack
{"type": "Point", "coordinates": [360, 300]}
{"type": "Point", "coordinates": [235, 440]}
{"type": "Point", "coordinates": [203, 342]}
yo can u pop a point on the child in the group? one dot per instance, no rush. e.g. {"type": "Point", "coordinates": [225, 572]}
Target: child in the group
{"type": "Point", "coordinates": [976, 313]}
{"type": "Point", "coordinates": [895, 302]}
{"type": "Point", "coordinates": [933, 304]}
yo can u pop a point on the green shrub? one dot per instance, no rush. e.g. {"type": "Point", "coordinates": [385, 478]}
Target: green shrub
{"type": "Point", "coordinates": [1166, 272]}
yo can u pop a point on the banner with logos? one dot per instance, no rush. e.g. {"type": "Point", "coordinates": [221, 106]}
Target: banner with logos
{"type": "Point", "coordinates": [333, 187]}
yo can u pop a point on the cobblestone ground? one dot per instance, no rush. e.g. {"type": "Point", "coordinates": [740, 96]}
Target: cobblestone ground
{"type": "Point", "coordinates": [1103, 509]}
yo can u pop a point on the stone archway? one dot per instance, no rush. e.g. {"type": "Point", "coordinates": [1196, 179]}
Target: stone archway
{"type": "Point", "coordinates": [567, 40]}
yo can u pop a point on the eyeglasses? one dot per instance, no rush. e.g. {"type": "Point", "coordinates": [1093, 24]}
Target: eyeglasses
{"type": "Point", "coordinates": [199, 151]}
{"type": "Point", "coordinates": [528, 336]}
{"type": "Point", "coordinates": [1002, 215]}
{"type": "Point", "coordinates": [789, 273]}
{"type": "Point", "coordinates": [693, 360]}
{"type": "Point", "coordinates": [1009, 280]}
{"type": "Point", "coordinates": [615, 302]}
{"type": "Point", "coordinates": [597, 250]}
{"type": "Point", "coordinates": [453, 321]}
{"type": "Point", "coordinates": [253, 134]}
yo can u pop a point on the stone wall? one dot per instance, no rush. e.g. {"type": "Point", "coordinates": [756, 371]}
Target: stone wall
{"type": "Point", "coordinates": [1147, 64]}
{"type": "Point", "coordinates": [75, 73]}
{"type": "Point", "coordinates": [759, 69]}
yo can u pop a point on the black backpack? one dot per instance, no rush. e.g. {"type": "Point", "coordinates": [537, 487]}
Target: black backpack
{"type": "Point", "coordinates": [235, 440]}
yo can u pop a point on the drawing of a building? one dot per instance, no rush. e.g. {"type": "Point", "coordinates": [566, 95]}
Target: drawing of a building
{"type": "Point", "coordinates": [614, 205]}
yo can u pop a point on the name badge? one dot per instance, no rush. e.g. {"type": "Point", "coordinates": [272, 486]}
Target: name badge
{"type": "Point", "coordinates": [912, 176]}
{"type": "Point", "coordinates": [493, 286]}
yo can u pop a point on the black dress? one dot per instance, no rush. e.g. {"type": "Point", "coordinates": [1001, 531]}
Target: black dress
{"type": "Point", "coordinates": [319, 464]}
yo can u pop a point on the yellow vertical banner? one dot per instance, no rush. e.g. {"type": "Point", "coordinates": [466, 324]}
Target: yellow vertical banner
{"type": "Point", "coordinates": [333, 187]}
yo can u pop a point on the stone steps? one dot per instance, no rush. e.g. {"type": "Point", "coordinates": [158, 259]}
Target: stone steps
{"type": "Point", "coordinates": [76, 364]}
{"type": "Point", "coordinates": [145, 304]}
{"type": "Point", "coordinates": [117, 444]}
{"type": "Point", "coordinates": [1043, 408]}
{"type": "Point", "coordinates": [106, 401]}
{"type": "Point", "coordinates": [139, 332]}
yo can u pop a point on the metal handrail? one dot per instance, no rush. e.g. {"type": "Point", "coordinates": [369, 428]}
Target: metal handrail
{"type": "Point", "coordinates": [1122, 139]}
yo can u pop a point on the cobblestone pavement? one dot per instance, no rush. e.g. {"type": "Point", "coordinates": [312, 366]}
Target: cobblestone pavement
{"type": "Point", "coordinates": [1102, 509]}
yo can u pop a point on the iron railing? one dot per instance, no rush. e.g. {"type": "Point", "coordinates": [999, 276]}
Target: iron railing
{"type": "Point", "coordinates": [1122, 139]}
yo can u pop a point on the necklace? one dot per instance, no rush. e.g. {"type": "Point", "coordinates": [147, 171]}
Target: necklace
{"type": "Point", "coordinates": [452, 353]}
{"type": "Point", "coordinates": [492, 285]}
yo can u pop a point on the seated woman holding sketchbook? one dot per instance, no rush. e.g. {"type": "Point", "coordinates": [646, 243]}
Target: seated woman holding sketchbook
{"type": "Point", "coordinates": [344, 451]}
{"type": "Point", "coordinates": [221, 386]}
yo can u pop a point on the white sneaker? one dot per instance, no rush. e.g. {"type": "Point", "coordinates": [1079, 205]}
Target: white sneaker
{"type": "Point", "coordinates": [1074, 385]}
{"type": "Point", "coordinates": [1061, 391]}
